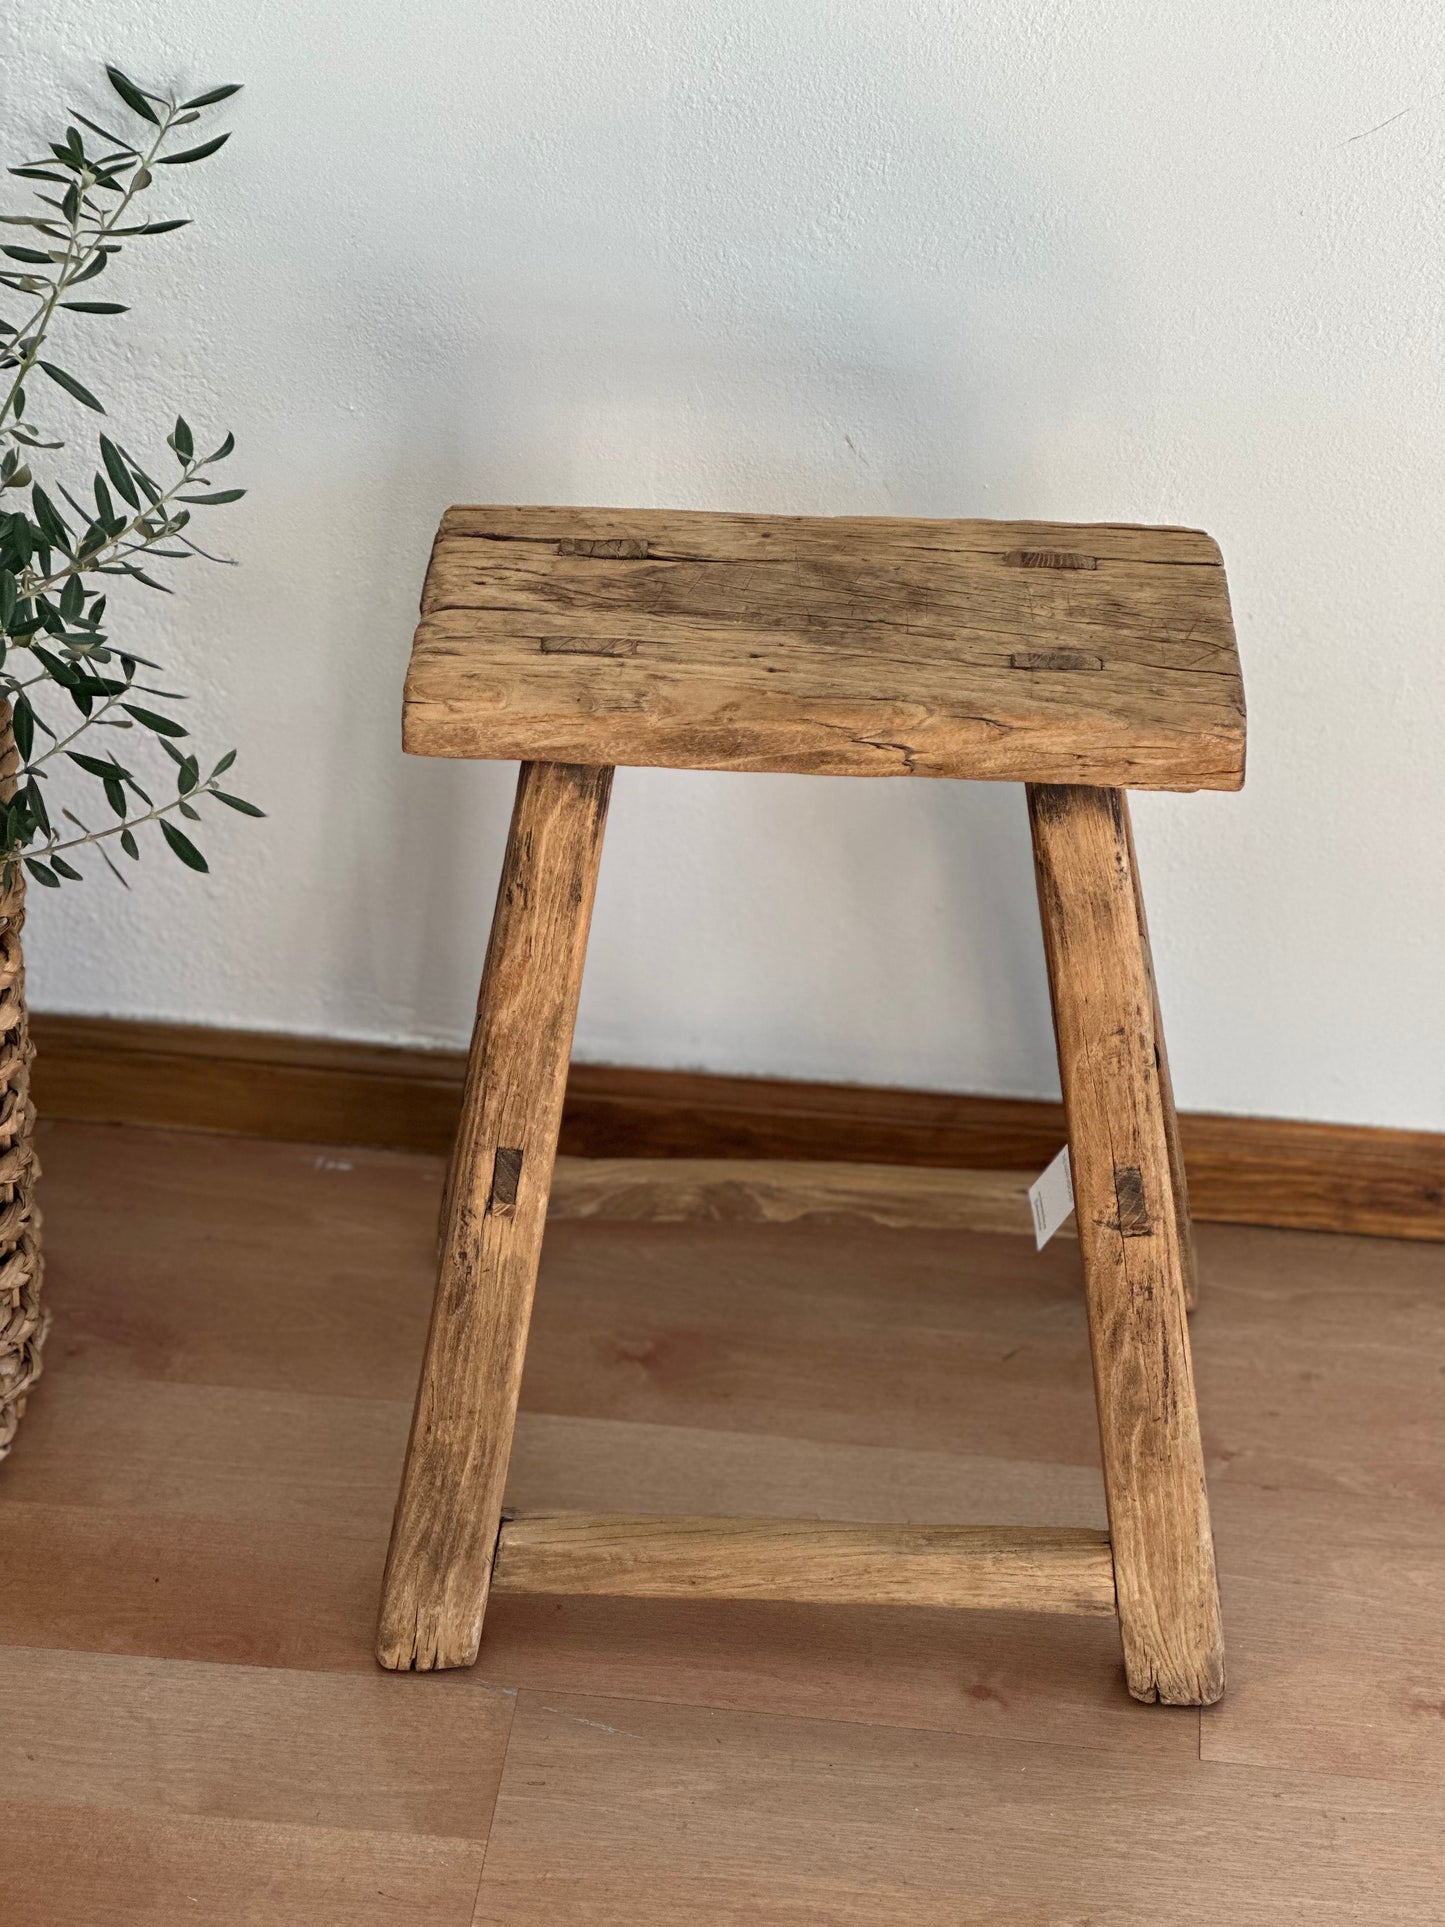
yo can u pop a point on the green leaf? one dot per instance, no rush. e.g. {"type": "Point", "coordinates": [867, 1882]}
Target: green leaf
{"type": "Point", "coordinates": [93, 766]}
{"type": "Point", "coordinates": [57, 670]}
{"type": "Point", "coordinates": [162, 725]}
{"type": "Point", "coordinates": [72, 386]}
{"type": "Point", "coordinates": [48, 519]}
{"type": "Point", "coordinates": [237, 803]}
{"type": "Point", "coordinates": [151, 227]}
{"type": "Point", "coordinates": [194, 153]}
{"type": "Point", "coordinates": [114, 795]}
{"type": "Point", "coordinates": [224, 450]}
{"type": "Point", "coordinates": [27, 254]}
{"type": "Point", "coordinates": [36, 800]}
{"type": "Point", "coordinates": [59, 863]}
{"type": "Point", "coordinates": [42, 873]}
{"type": "Point", "coordinates": [96, 307]}
{"type": "Point", "coordinates": [132, 95]}
{"type": "Point", "coordinates": [116, 140]}
{"type": "Point", "coordinates": [128, 844]}
{"type": "Point", "coordinates": [180, 438]}
{"type": "Point", "coordinates": [116, 469]}
{"type": "Point", "coordinates": [210, 99]}
{"type": "Point", "coordinates": [140, 575]}
{"type": "Point", "coordinates": [139, 473]}
{"type": "Point", "coordinates": [183, 847]}
{"type": "Point", "coordinates": [24, 720]}
{"type": "Point", "coordinates": [213, 500]}
{"type": "Point", "coordinates": [7, 599]}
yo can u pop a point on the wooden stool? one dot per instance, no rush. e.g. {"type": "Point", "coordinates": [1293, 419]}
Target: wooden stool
{"type": "Point", "coordinates": [1082, 660]}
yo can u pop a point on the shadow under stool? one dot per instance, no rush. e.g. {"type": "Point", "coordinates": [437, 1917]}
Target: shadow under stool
{"type": "Point", "coordinates": [1081, 660]}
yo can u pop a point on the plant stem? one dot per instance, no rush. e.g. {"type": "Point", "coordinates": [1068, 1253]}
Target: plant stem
{"type": "Point", "coordinates": [129, 823]}
{"type": "Point", "coordinates": [70, 270]}
{"type": "Point", "coordinates": [63, 742]}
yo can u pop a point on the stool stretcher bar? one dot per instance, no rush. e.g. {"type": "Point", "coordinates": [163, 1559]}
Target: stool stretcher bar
{"type": "Point", "coordinates": [1042, 1569]}
{"type": "Point", "coordinates": [775, 1191]}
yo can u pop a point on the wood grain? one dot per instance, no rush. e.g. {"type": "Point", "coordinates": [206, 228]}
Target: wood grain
{"type": "Point", "coordinates": [831, 646]}
{"type": "Point", "coordinates": [628, 1814]}
{"type": "Point", "coordinates": [351, 1750]}
{"type": "Point", "coordinates": [697, 535]}
{"type": "Point", "coordinates": [129, 1866]}
{"type": "Point", "coordinates": [439, 1566]}
{"type": "Point", "coordinates": [1048, 1569]}
{"type": "Point", "coordinates": [761, 1191]}
{"type": "Point", "coordinates": [1104, 1013]}
{"type": "Point", "coordinates": [1178, 1178]}
{"type": "Point", "coordinates": [1241, 1170]}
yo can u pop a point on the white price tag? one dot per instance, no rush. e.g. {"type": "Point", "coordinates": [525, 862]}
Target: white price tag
{"type": "Point", "coordinates": [1051, 1198]}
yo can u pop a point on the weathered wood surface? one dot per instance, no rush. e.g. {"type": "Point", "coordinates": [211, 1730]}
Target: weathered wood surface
{"type": "Point", "coordinates": [1188, 1257]}
{"type": "Point", "coordinates": [829, 645]}
{"type": "Point", "coordinates": [1046, 1569]}
{"type": "Point", "coordinates": [1104, 1009]}
{"type": "Point", "coordinates": [439, 1565]}
{"type": "Point", "coordinates": [769, 1191]}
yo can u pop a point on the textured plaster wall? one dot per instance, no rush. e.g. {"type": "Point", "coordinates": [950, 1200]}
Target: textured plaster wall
{"type": "Point", "coordinates": [1095, 260]}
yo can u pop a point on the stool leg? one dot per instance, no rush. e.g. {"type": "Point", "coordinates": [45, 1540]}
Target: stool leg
{"type": "Point", "coordinates": [1104, 1016]}
{"type": "Point", "coordinates": [1189, 1262]}
{"type": "Point", "coordinates": [448, 1515]}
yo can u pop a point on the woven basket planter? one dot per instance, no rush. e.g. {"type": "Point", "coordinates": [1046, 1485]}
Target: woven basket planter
{"type": "Point", "coordinates": [22, 1322]}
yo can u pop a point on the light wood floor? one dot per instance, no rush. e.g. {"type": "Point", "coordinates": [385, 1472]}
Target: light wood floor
{"type": "Point", "coordinates": [193, 1524]}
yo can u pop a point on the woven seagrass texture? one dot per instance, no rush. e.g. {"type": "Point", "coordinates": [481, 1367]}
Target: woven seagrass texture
{"type": "Point", "coordinates": [22, 1321]}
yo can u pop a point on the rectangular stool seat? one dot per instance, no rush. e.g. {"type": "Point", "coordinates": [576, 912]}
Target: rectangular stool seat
{"type": "Point", "coordinates": [830, 646]}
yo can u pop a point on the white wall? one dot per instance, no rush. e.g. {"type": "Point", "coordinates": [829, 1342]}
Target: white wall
{"type": "Point", "coordinates": [1107, 259]}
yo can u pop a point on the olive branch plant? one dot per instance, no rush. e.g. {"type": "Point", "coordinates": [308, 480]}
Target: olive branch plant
{"type": "Point", "coordinates": [58, 564]}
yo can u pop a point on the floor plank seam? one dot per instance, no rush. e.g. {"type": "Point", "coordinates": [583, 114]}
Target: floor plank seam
{"type": "Point", "coordinates": [496, 1802]}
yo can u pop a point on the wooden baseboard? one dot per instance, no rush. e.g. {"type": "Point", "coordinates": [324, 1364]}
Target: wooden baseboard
{"type": "Point", "coordinates": [1242, 1170]}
